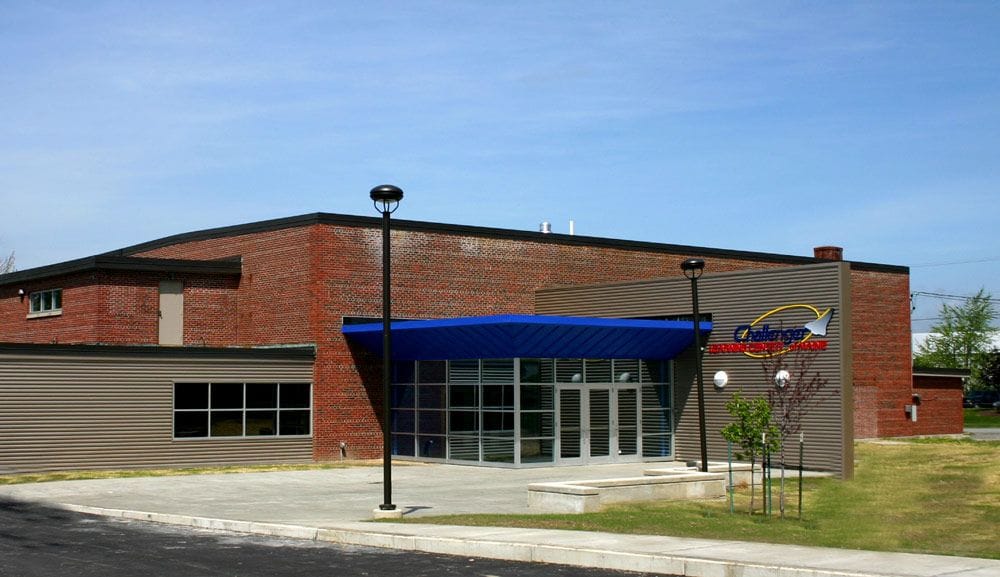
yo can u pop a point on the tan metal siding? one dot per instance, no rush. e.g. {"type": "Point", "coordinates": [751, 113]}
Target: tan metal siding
{"type": "Point", "coordinates": [735, 299]}
{"type": "Point", "coordinates": [116, 411]}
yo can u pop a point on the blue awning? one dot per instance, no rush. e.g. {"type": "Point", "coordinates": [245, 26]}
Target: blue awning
{"type": "Point", "coordinates": [509, 336]}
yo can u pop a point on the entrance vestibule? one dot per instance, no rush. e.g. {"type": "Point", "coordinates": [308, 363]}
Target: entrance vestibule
{"type": "Point", "coordinates": [532, 412]}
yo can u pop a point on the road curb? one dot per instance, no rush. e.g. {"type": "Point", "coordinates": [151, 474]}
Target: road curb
{"type": "Point", "coordinates": [600, 558]}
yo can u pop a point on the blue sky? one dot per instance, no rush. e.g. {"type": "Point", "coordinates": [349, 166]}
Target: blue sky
{"type": "Point", "coordinates": [767, 126]}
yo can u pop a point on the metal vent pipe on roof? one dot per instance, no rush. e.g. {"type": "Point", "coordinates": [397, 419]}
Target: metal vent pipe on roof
{"type": "Point", "coordinates": [545, 227]}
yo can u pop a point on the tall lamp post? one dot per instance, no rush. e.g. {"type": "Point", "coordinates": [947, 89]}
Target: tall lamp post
{"type": "Point", "coordinates": [386, 198]}
{"type": "Point", "coordinates": [692, 269]}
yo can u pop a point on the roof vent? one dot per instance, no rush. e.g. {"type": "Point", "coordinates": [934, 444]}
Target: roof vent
{"type": "Point", "coordinates": [829, 252]}
{"type": "Point", "coordinates": [545, 227]}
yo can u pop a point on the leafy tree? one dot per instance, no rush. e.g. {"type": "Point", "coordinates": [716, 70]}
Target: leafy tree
{"type": "Point", "coordinates": [752, 425]}
{"type": "Point", "coordinates": [962, 338]}
{"type": "Point", "coordinates": [989, 372]}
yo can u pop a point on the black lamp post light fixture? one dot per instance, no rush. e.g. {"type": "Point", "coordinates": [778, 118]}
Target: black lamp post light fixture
{"type": "Point", "coordinates": [692, 269]}
{"type": "Point", "coordinates": [386, 199]}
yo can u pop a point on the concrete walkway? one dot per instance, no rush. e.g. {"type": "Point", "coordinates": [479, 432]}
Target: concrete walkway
{"type": "Point", "coordinates": [336, 504]}
{"type": "Point", "coordinates": [983, 434]}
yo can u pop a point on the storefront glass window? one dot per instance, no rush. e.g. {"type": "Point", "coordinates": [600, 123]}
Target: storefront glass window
{"type": "Point", "coordinates": [533, 411]}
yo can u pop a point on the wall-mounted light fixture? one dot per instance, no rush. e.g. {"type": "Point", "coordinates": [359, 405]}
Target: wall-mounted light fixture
{"type": "Point", "coordinates": [781, 379]}
{"type": "Point", "coordinates": [20, 294]}
{"type": "Point", "coordinates": [721, 379]}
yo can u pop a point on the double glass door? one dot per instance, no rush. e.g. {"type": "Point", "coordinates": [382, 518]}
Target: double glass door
{"type": "Point", "coordinates": [598, 423]}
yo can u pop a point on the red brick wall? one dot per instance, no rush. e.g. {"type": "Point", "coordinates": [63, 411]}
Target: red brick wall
{"type": "Point", "coordinates": [128, 308]}
{"type": "Point", "coordinates": [298, 283]}
{"type": "Point", "coordinates": [273, 297]}
{"type": "Point", "coordinates": [121, 308]}
{"type": "Point", "coordinates": [439, 275]}
{"type": "Point", "coordinates": [880, 324]}
{"type": "Point", "coordinates": [210, 311]}
{"type": "Point", "coordinates": [78, 323]}
{"type": "Point", "coordinates": [865, 411]}
{"type": "Point", "coordinates": [940, 410]}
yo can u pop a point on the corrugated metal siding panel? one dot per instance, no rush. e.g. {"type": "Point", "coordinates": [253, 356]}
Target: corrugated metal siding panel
{"type": "Point", "coordinates": [733, 299]}
{"type": "Point", "coordinates": [106, 411]}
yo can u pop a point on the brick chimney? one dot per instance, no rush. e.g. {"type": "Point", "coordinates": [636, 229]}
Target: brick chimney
{"type": "Point", "coordinates": [829, 252]}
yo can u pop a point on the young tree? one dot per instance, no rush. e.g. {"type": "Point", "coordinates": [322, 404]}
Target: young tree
{"type": "Point", "coordinates": [962, 338]}
{"type": "Point", "coordinates": [800, 392]}
{"type": "Point", "coordinates": [752, 425]}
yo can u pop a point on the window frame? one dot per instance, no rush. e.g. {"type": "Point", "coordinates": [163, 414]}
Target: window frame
{"type": "Point", "coordinates": [243, 410]}
{"type": "Point", "coordinates": [36, 303]}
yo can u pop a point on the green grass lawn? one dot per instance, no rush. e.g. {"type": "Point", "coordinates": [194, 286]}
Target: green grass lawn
{"type": "Point", "coordinates": [930, 496]}
{"type": "Point", "coordinates": [982, 419]}
{"type": "Point", "coordinates": [14, 479]}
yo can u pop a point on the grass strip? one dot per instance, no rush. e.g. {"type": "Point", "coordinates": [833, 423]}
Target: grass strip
{"type": "Point", "coordinates": [934, 496]}
{"type": "Point", "coordinates": [982, 419]}
{"type": "Point", "coordinates": [17, 478]}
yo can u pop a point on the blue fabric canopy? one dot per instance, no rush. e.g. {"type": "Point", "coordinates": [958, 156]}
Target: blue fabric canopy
{"type": "Point", "coordinates": [509, 336]}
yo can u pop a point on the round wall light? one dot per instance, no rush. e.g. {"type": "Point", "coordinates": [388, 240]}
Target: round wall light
{"type": "Point", "coordinates": [721, 379]}
{"type": "Point", "coordinates": [781, 379]}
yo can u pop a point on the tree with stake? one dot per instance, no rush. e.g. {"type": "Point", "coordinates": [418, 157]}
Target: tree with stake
{"type": "Point", "coordinates": [751, 426]}
{"type": "Point", "coordinates": [797, 389]}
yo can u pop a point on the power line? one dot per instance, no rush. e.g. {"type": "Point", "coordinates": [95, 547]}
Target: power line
{"type": "Point", "coordinates": [954, 262]}
{"type": "Point", "coordinates": [948, 296]}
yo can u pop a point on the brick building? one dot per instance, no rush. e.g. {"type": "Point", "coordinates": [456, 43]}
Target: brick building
{"type": "Point", "coordinates": [258, 311]}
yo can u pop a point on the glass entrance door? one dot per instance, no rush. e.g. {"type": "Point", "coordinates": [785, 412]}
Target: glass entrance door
{"type": "Point", "coordinates": [570, 423]}
{"type": "Point", "coordinates": [598, 423]}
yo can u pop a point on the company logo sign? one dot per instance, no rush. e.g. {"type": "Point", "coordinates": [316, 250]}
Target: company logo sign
{"type": "Point", "coordinates": [779, 331]}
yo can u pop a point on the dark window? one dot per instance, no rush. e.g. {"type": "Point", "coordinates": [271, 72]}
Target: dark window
{"type": "Point", "coordinates": [262, 423]}
{"type": "Point", "coordinates": [464, 396]}
{"type": "Point", "coordinates": [227, 423]}
{"type": "Point", "coordinates": [191, 396]}
{"type": "Point", "coordinates": [294, 396]}
{"type": "Point", "coordinates": [433, 371]}
{"type": "Point", "coordinates": [403, 421]}
{"type": "Point", "coordinates": [241, 409]}
{"type": "Point", "coordinates": [431, 397]}
{"type": "Point", "coordinates": [431, 422]}
{"type": "Point", "coordinates": [294, 423]}
{"type": "Point", "coordinates": [47, 301]}
{"type": "Point", "coordinates": [262, 396]}
{"type": "Point", "coordinates": [227, 395]}
{"type": "Point", "coordinates": [191, 424]}
{"type": "Point", "coordinates": [402, 396]}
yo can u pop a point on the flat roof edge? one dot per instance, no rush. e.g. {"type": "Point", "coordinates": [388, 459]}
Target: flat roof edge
{"type": "Point", "coordinates": [292, 352]}
{"type": "Point", "coordinates": [938, 372]}
{"type": "Point", "coordinates": [225, 267]}
{"type": "Point", "coordinates": [479, 231]}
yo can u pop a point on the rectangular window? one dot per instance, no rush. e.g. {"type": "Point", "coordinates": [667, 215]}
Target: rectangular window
{"type": "Point", "coordinates": [204, 410]}
{"type": "Point", "coordinates": [47, 302]}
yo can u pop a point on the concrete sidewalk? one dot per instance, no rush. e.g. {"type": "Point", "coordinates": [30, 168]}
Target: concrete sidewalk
{"type": "Point", "coordinates": [335, 504]}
